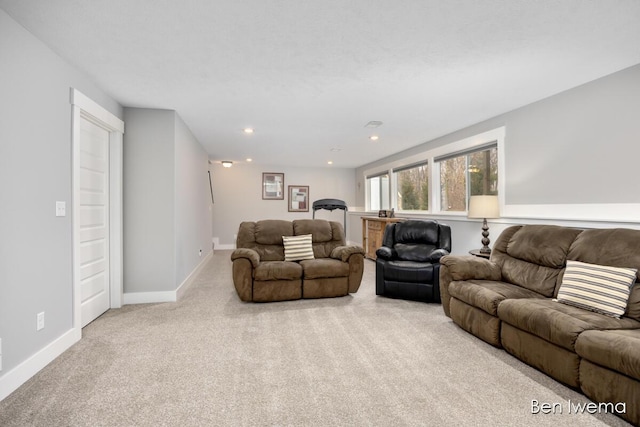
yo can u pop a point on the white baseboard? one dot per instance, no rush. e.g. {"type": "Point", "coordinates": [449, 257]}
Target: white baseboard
{"type": "Point", "coordinates": [218, 246]}
{"type": "Point", "coordinates": [186, 283]}
{"type": "Point", "coordinates": [225, 247]}
{"type": "Point", "coordinates": [166, 296]}
{"type": "Point", "coordinates": [13, 379]}
{"type": "Point", "coordinates": [149, 297]}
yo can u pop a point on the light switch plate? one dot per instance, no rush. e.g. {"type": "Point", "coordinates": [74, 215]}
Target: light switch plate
{"type": "Point", "coordinates": [61, 209]}
{"type": "Point", "coordinates": [40, 321]}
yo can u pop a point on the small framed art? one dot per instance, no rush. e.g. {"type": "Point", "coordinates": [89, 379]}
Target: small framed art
{"type": "Point", "coordinates": [298, 198]}
{"type": "Point", "coordinates": [272, 186]}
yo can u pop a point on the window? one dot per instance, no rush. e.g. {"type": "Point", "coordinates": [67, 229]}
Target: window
{"type": "Point", "coordinates": [412, 184]}
{"type": "Point", "coordinates": [468, 173]}
{"type": "Point", "coordinates": [378, 191]}
{"type": "Point", "coordinates": [440, 180]}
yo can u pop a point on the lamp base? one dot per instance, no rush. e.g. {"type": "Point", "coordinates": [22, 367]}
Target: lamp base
{"type": "Point", "coordinates": [485, 238]}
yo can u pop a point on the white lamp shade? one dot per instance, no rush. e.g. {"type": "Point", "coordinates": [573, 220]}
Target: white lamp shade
{"type": "Point", "coordinates": [484, 207]}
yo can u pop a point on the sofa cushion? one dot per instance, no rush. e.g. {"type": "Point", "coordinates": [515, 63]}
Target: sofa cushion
{"type": "Point", "coordinates": [408, 271]}
{"type": "Point", "coordinates": [633, 306]}
{"type": "Point", "coordinates": [277, 270]}
{"type": "Point", "coordinates": [270, 231]}
{"type": "Point", "coordinates": [416, 231]}
{"type": "Point", "coordinates": [326, 235]}
{"type": "Point", "coordinates": [320, 229]}
{"type": "Point", "coordinates": [538, 278]}
{"type": "Point", "coordinates": [545, 245]}
{"type": "Point", "coordinates": [487, 294]}
{"type": "Point", "coordinates": [598, 288]}
{"type": "Point", "coordinates": [533, 256]}
{"type": "Point", "coordinates": [557, 323]}
{"type": "Point", "coordinates": [297, 248]}
{"type": "Point", "coordinates": [615, 247]}
{"type": "Point", "coordinates": [618, 350]}
{"type": "Point", "coordinates": [419, 252]}
{"type": "Point", "coordinates": [324, 268]}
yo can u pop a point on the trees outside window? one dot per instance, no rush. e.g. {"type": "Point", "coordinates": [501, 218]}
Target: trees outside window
{"type": "Point", "coordinates": [469, 174]}
{"type": "Point", "coordinates": [439, 180]}
{"type": "Point", "coordinates": [413, 187]}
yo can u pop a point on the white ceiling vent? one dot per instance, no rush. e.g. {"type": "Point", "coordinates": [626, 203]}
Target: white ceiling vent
{"type": "Point", "coordinates": [373, 124]}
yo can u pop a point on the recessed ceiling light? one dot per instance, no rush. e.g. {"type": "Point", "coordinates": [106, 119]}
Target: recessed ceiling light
{"type": "Point", "coordinates": [227, 163]}
{"type": "Point", "coordinates": [373, 124]}
{"type": "Point", "coordinates": [248, 130]}
{"type": "Point", "coordinates": [249, 160]}
{"type": "Point", "coordinates": [330, 162]}
{"type": "Point", "coordinates": [374, 137]}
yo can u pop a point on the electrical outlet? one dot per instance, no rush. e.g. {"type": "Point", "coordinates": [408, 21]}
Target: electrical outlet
{"type": "Point", "coordinates": [40, 321]}
{"type": "Point", "coordinates": [200, 252]}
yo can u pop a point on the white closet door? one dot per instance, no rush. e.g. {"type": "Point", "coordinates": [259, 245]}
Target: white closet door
{"type": "Point", "coordinates": [94, 220]}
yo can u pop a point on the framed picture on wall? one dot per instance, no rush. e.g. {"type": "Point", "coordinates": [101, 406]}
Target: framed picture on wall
{"type": "Point", "coordinates": [298, 198]}
{"type": "Point", "coordinates": [272, 186]}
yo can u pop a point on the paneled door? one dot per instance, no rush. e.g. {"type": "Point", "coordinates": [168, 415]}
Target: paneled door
{"type": "Point", "coordinates": [93, 213]}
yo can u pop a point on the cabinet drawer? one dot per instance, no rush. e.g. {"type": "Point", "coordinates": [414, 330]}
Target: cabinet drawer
{"type": "Point", "coordinates": [375, 225]}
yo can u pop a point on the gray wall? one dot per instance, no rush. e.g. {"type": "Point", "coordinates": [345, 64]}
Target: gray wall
{"type": "Point", "coordinates": [577, 147]}
{"type": "Point", "coordinates": [238, 195]}
{"type": "Point", "coordinates": [35, 172]}
{"type": "Point", "coordinates": [580, 146]}
{"type": "Point", "coordinates": [149, 187]}
{"type": "Point", "coordinates": [166, 201]}
{"type": "Point", "coordinates": [192, 202]}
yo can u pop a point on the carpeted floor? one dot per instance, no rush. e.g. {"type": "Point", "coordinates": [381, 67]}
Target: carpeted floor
{"type": "Point", "coordinates": [211, 360]}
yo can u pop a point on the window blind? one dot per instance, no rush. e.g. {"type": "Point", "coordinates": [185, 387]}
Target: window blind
{"type": "Point", "coordinates": [484, 147]}
{"type": "Point", "coordinates": [411, 166]}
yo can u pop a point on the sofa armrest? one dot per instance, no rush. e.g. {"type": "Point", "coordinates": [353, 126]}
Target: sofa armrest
{"type": "Point", "coordinates": [246, 253]}
{"type": "Point", "coordinates": [386, 252]}
{"type": "Point", "coordinates": [453, 268]}
{"type": "Point", "coordinates": [437, 254]}
{"type": "Point", "coordinates": [343, 253]}
{"type": "Point", "coordinates": [354, 256]}
{"type": "Point", "coordinates": [471, 267]}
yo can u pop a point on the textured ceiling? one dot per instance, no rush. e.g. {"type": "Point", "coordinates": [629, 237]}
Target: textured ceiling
{"type": "Point", "coordinates": [308, 75]}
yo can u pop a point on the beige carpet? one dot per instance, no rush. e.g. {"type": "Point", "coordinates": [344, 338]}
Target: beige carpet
{"type": "Point", "coordinates": [211, 360]}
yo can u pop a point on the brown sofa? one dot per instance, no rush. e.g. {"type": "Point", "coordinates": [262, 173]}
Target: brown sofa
{"type": "Point", "coordinates": [508, 301]}
{"type": "Point", "coordinates": [261, 274]}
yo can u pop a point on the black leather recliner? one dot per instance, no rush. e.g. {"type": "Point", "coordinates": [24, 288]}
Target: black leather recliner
{"type": "Point", "coordinates": [408, 263]}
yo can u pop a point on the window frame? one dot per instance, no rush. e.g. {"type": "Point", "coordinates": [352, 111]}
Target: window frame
{"type": "Point", "coordinates": [368, 197]}
{"type": "Point", "coordinates": [394, 187]}
{"type": "Point", "coordinates": [437, 162]}
{"type": "Point", "coordinates": [495, 136]}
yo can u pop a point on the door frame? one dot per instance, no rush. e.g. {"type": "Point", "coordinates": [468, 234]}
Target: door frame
{"type": "Point", "coordinates": [85, 108]}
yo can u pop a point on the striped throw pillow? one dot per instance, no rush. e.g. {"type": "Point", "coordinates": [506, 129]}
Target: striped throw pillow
{"type": "Point", "coordinates": [597, 288]}
{"type": "Point", "coordinates": [297, 248]}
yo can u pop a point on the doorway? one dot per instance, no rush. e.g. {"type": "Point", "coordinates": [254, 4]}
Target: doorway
{"type": "Point", "coordinates": [97, 209]}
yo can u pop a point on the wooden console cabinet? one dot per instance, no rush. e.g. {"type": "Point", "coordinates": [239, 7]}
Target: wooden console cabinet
{"type": "Point", "coordinates": [372, 233]}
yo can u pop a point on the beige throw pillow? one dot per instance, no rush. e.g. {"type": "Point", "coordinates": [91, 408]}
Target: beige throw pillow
{"type": "Point", "coordinates": [297, 248]}
{"type": "Point", "coordinates": [597, 288]}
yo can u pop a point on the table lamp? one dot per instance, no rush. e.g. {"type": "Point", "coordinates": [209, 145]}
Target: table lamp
{"type": "Point", "coordinates": [484, 207]}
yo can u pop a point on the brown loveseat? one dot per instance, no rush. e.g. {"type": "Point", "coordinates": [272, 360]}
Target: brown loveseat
{"type": "Point", "coordinates": [508, 301]}
{"type": "Point", "coordinates": [261, 274]}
